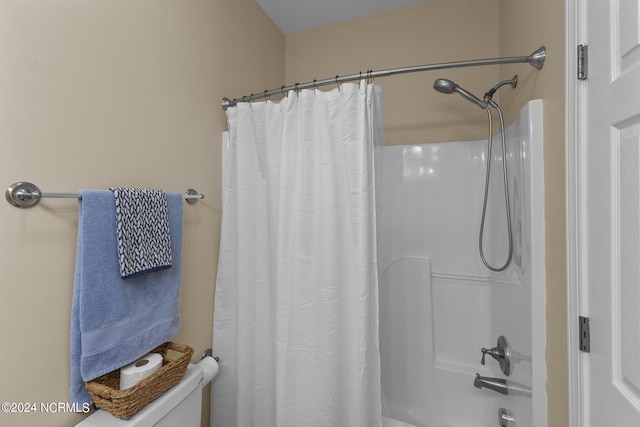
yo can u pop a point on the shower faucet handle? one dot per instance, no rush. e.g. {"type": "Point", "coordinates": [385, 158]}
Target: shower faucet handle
{"type": "Point", "coordinates": [495, 352]}
{"type": "Point", "coordinates": [501, 353]}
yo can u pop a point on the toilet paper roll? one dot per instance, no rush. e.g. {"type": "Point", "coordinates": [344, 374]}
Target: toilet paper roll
{"type": "Point", "coordinates": [135, 372]}
{"type": "Point", "coordinates": [210, 369]}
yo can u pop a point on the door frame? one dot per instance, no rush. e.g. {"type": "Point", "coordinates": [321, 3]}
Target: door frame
{"type": "Point", "coordinates": [576, 182]}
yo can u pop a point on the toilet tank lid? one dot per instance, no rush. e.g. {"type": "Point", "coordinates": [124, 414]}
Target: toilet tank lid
{"type": "Point", "coordinates": [155, 410]}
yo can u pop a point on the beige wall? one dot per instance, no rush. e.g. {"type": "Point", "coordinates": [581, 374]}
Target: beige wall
{"type": "Point", "coordinates": [423, 34]}
{"type": "Point", "coordinates": [111, 93]}
{"type": "Point", "coordinates": [414, 113]}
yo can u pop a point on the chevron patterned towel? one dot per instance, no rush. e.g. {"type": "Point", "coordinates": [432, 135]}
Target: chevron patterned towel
{"type": "Point", "coordinates": [142, 225]}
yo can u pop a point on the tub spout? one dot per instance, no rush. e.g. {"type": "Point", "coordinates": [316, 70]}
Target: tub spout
{"type": "Point", "coordinates": [496, 384]}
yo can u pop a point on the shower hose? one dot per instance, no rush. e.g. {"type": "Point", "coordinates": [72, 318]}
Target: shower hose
{"type": "Point", "coordinates": [486, 190]}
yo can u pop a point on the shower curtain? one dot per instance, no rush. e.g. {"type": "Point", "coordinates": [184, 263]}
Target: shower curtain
{"type": "Point", "coordinates": [296, 307]}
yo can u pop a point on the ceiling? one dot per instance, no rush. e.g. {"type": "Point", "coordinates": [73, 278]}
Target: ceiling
{"type": "Point", "coordinates": [299, 15]}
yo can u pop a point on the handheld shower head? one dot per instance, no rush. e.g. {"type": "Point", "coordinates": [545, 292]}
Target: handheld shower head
{"type": "Point", "coordinates": [444, 86]}
{"type": "Point", "coordinates": [447, 87]}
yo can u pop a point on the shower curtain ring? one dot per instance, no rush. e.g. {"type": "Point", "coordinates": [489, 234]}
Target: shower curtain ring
{"type": "Point", "coordinates": [338, 83]}
{"type": "Point", "coordinates": [282, 91]}
{"type": "Point", "coordinates": [266, 97]}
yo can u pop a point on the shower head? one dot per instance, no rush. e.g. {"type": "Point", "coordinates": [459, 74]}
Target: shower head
{"type": "Point", "coordinates": [447, 86]}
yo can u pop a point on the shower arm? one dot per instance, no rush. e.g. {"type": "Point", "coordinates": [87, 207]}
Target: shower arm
{"type": "Point", "coordinates": [536, 60]}
{"type": "Point", "coordinates": [488, 97]}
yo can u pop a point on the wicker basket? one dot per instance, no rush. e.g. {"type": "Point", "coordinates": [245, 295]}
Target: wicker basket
{"type": "Point", "coordinates": [124, 404]}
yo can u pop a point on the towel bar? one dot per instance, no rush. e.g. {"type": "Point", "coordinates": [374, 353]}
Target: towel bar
{"type": "Point", "coordinates": [26, 194]}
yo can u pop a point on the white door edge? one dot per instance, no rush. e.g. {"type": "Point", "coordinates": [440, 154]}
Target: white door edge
{"type": "Point", "coordinates": [575, 117]}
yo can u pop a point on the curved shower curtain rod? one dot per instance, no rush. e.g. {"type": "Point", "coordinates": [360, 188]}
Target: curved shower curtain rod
{"type": "Point", "coordinates": [536, 60]}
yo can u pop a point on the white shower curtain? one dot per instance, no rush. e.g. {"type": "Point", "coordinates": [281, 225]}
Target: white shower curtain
{"type": "Point", "coordinates": [296, 309]}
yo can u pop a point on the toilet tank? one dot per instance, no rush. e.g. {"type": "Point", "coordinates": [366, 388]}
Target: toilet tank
{"type": "Point", "coordinates": [180, 406]}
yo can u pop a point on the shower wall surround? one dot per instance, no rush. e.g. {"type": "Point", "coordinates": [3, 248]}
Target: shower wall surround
{"type": "Point", "coordinates": [439, 305]}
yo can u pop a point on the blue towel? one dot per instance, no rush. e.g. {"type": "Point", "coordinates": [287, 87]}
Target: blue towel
{"type": "Point", "coordinates": [142, 224]}
{"type": "Point", "coordinates": [116, 321]}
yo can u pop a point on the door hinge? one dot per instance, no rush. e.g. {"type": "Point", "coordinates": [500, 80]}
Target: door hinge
{"type": "Point", "coordinates": [583, 61]}
{"type": "Point", "coordinates": [585, 334]}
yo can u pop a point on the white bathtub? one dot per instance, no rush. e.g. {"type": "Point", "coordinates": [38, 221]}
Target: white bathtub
{"type": "Point", "coordinates": [439, 305]}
